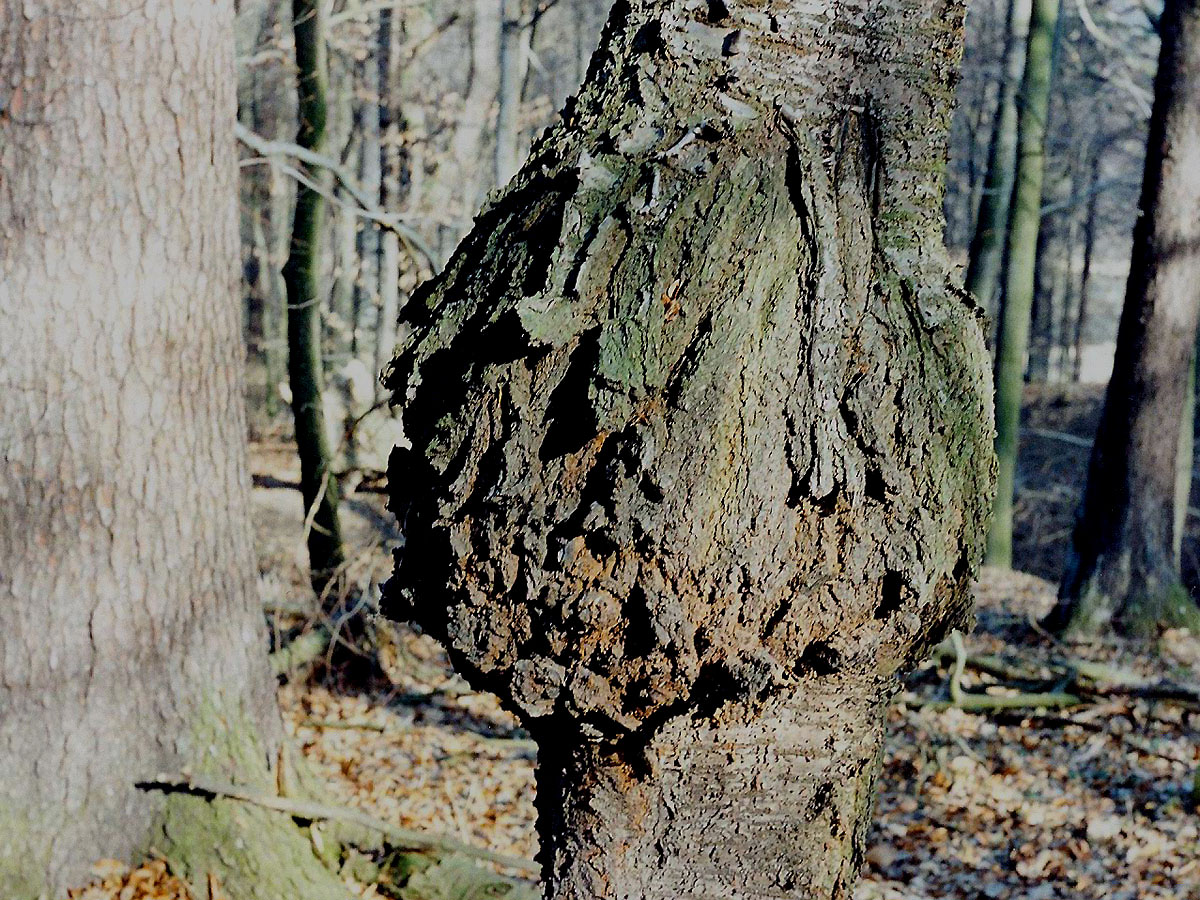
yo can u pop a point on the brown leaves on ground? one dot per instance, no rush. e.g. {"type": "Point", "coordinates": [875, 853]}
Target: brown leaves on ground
{"type": "Point", "coordinates": [117, 881]}
{"type": "Point", "coordinates": [1088, 802]}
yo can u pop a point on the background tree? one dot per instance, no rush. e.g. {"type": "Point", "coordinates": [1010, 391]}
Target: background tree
{"type": "Point", "coordinates": [131, 637]}
{"type": "Point", "coordinates": [1124, 567]}
{"type": "Point", "coordinates": [1020, 260]}
{"type": "Point", "coordinates": [986, 253]}
{"type": "Point", "coordinates": [302, 275]}
{"type": "Point", "coordinates": [670, 403]}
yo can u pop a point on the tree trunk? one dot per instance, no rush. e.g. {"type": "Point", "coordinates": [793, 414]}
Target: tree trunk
{"type": "Point", "coordinates": [301, 272]}
{"type": "Point", "coordinates": [467, 147]}
{"type": "Point", "coordinates": [1020, 260]}
{"type": "Point", "coordinates": [392, 172]}
{"type": "Point", "coordinates": [1047, 269]}
{"type": "Point", "coordinates": [986, 254]}
{"type": "Point", "coordinates": [515, 33]}
{"type": "Point", "coordinates": [671, 403]}
{"type": "Point", "coordinates": [131, 640]}
{"type": "Point", "coordinates": [1090, 226]}
{"type": "Point", "coordinates": [1124, 566]}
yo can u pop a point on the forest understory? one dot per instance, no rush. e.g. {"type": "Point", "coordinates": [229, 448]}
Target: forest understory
{"type": "Point", "coordinates": [1092, 796]}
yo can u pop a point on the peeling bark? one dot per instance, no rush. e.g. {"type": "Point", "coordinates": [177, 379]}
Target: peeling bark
{"type": "Point", "coordinates": [701, 443]}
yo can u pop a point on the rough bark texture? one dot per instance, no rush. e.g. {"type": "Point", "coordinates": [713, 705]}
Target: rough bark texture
{"type": "Point", "coordinates": [701, 445]}
{"type": "Point", "coordinates": [301, 272]}
{"type": "Point", "coordinates": [131, 642]}
{"type": "Point", "coordinates": [986, 254]}
{"type": "Point", "coordinates": [1124, 568]}
{"type": "Point", "coordinates": [1024, 221]}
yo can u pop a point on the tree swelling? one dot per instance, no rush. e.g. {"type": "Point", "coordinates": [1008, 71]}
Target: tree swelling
{"type": "Point", "coordinates": [131, 638]}
{"type": "Point", "coordinates": [700, 441]}
{"type": "Point", "coordinates": [1124, 567]}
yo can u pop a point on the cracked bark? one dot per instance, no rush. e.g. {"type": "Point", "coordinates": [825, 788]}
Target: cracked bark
{"type": "Point", "coordinates": [701, 442]}
{"type": "Point", "coordinates": [131, 642]}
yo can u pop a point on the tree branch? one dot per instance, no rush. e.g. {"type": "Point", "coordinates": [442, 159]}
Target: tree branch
{"type": "Point", "coordinates": [303, 809]}
{"type": "Point", "coordinates": [367, 209]}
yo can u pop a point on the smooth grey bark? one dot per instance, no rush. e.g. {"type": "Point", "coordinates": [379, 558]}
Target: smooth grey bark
{"type": "Point", "coordinates": [470, 135]}
{"type": "Point", "coordinates": [515, 34]}
{"type": "Point", "coordinates": [701, 443]}
{"type": "Point", "coordinates": [986, 253]}
{"type": "Point", "coordinates": [131, 637]}
{"type": "Point", "coordinates": [1123, 571]}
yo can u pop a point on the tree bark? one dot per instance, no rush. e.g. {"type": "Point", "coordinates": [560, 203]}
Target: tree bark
{"type": "Point", "coordinates": [131, 638]}
{"type": "Point", "coordinates": [467, 147]}
{"type": "Point", "coordinates": [515, 33]}
{"type": "Point", "coordinates": [671, 403]}
{"type": "Point", "coordinates": [1090, 226]}
{"type": "Point", "coordinates": [392, 159]}
{"type": "Point", "coordinates": [1020, 261]}
{"type": "Point", "coordinates": [986, 254]}
{"type": "Point", "coordinates": [1124, 567]}
{"type": "Point", "coordinates": [301, 272]}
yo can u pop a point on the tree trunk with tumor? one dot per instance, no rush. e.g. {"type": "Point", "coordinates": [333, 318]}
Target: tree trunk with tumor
{"type": "Point", "coordinates": [1124, 567]}
{"type": "Point", "coordinates": [131, 642]}
{"type": "Point", "coordinates": [700, 441]}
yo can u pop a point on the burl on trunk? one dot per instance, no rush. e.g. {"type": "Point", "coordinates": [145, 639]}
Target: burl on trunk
{"type": "Point", "coordinates": [701, 440]}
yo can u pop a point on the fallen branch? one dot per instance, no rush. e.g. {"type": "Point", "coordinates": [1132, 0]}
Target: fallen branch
{"type": "Point", "coordinates": [989, 702]}
{"type": "Point", "coordinates": [1078, 679]}
{"type": "Point", "coordinates": [333, 724]}
{"type": "Point", "coordinates": [402, 838]}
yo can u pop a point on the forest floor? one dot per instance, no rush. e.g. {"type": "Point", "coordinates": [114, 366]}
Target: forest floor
{"type": "Point", "coordinates": [1095, 800]}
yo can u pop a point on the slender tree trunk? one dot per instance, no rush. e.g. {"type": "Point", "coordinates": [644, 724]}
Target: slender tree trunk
{"type": "Point", "coordinates": [1124, 567]}
{"type": "Point", "coordinates": [131, 640]}
{"type": "Point", "coordinates": [1068, 278]}
{"type": "Point", "coordinates": [671, 404]}
{"type": "Point", "coordinates": [302, 275]}
{"type": "Point", "coordinates": [469, 143]}
{"type": "Point", "coordinates": [1090, 226]}
{"type": "Point", "coordinates": [1186, 460]}
{"type": "Point", "coordinates": [1020, 261]}
{"type": "Point", "coordinates": [372, 115]}
{"type": "Point", "coordinates": [392, 172]}
{"type": "Point", "coordinates": [986, 253]}
{"type": "Point", "coordinates": [514, 63]}
{"type": "Point", "coordinates": [1048, 267]}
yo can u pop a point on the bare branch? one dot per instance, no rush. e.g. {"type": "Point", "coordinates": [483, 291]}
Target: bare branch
{"type": "Point", "coordinates": [271, 151]}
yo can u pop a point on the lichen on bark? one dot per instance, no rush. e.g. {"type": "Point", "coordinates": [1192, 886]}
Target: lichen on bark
{"type": "Point", "coordinates": [701, 439]}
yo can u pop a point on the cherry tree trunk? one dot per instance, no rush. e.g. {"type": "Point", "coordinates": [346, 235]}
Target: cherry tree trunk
{"type": "Point", "coordinates": [131, 640]}
{"type": "Point", "coordinates": [701, 441]}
